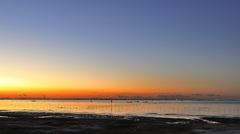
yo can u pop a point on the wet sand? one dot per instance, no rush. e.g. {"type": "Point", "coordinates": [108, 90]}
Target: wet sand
{"type": "Point", "coordinates": [58, 123]}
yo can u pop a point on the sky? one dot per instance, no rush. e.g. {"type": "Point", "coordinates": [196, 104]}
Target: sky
{"type": "Point", "coordinates": [108, 48]}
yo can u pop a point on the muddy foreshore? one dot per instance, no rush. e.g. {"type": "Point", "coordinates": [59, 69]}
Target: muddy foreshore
{"type": "Point", "coordinates": [59, 123]}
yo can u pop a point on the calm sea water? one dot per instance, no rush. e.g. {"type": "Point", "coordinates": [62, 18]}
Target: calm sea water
{"type": "Point", "coordinates": [170, 109]}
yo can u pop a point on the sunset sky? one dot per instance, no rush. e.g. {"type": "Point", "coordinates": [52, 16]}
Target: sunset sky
{"type": "Point", "coordinates": [108, 48]}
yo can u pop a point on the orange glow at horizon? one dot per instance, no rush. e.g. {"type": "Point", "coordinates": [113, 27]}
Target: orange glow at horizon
{"type": "Point", "coordinates": [103, 51]}
{"type": "Point", "coordinates": [13, 87]}
{"type": "Point", "coordinates": [73, 93]}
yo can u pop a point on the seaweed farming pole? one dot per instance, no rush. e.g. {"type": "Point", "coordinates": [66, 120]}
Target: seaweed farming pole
{"type": "Point", "coordinates": [111, 105]}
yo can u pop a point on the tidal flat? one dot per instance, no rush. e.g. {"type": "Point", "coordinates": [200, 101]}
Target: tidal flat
{"type": "Point", "coordinates": [59, 123]}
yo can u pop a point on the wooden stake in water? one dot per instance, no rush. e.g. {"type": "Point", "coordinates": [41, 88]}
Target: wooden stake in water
{"type": "Point", "coordinates": [111, 105]}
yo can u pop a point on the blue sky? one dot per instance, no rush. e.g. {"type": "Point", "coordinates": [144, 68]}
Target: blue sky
{"type": "Point", "coordinates": [137, 40]}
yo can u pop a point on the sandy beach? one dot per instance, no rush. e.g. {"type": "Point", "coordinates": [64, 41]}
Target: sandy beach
{"type": "Point", "coordinates": [58, 123]}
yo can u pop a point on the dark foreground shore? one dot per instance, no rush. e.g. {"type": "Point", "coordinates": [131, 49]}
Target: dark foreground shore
{"type": "Point", "coordinates": [57, 123]}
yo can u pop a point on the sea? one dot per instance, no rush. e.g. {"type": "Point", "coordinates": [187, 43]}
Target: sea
{"type": "Point", "coordinates": [188, 109]}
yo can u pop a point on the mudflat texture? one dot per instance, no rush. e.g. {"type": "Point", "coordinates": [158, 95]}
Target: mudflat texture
{"type": "Point", "coordinates": [45, 123]}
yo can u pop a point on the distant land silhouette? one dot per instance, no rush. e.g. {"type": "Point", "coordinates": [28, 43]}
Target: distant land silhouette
{"type": "Point", "coordinates": [214, 97]}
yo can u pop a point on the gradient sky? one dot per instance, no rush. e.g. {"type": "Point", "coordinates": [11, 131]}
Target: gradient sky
{"type": "Point", "coordinates": [83, 48]}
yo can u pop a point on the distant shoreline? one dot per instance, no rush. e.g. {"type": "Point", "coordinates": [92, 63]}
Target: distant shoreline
{"type": "Point", "coordinates": [115, 99]}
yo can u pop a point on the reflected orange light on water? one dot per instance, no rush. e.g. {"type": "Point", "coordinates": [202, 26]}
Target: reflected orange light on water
{"type": "Point", "coordinates": [125, 107]}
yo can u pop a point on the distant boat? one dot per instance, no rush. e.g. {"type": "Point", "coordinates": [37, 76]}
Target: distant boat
{"type": "Point", "coordinates": [130, 102]}
{"type": "Point", "coordinates": [33, 100]}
